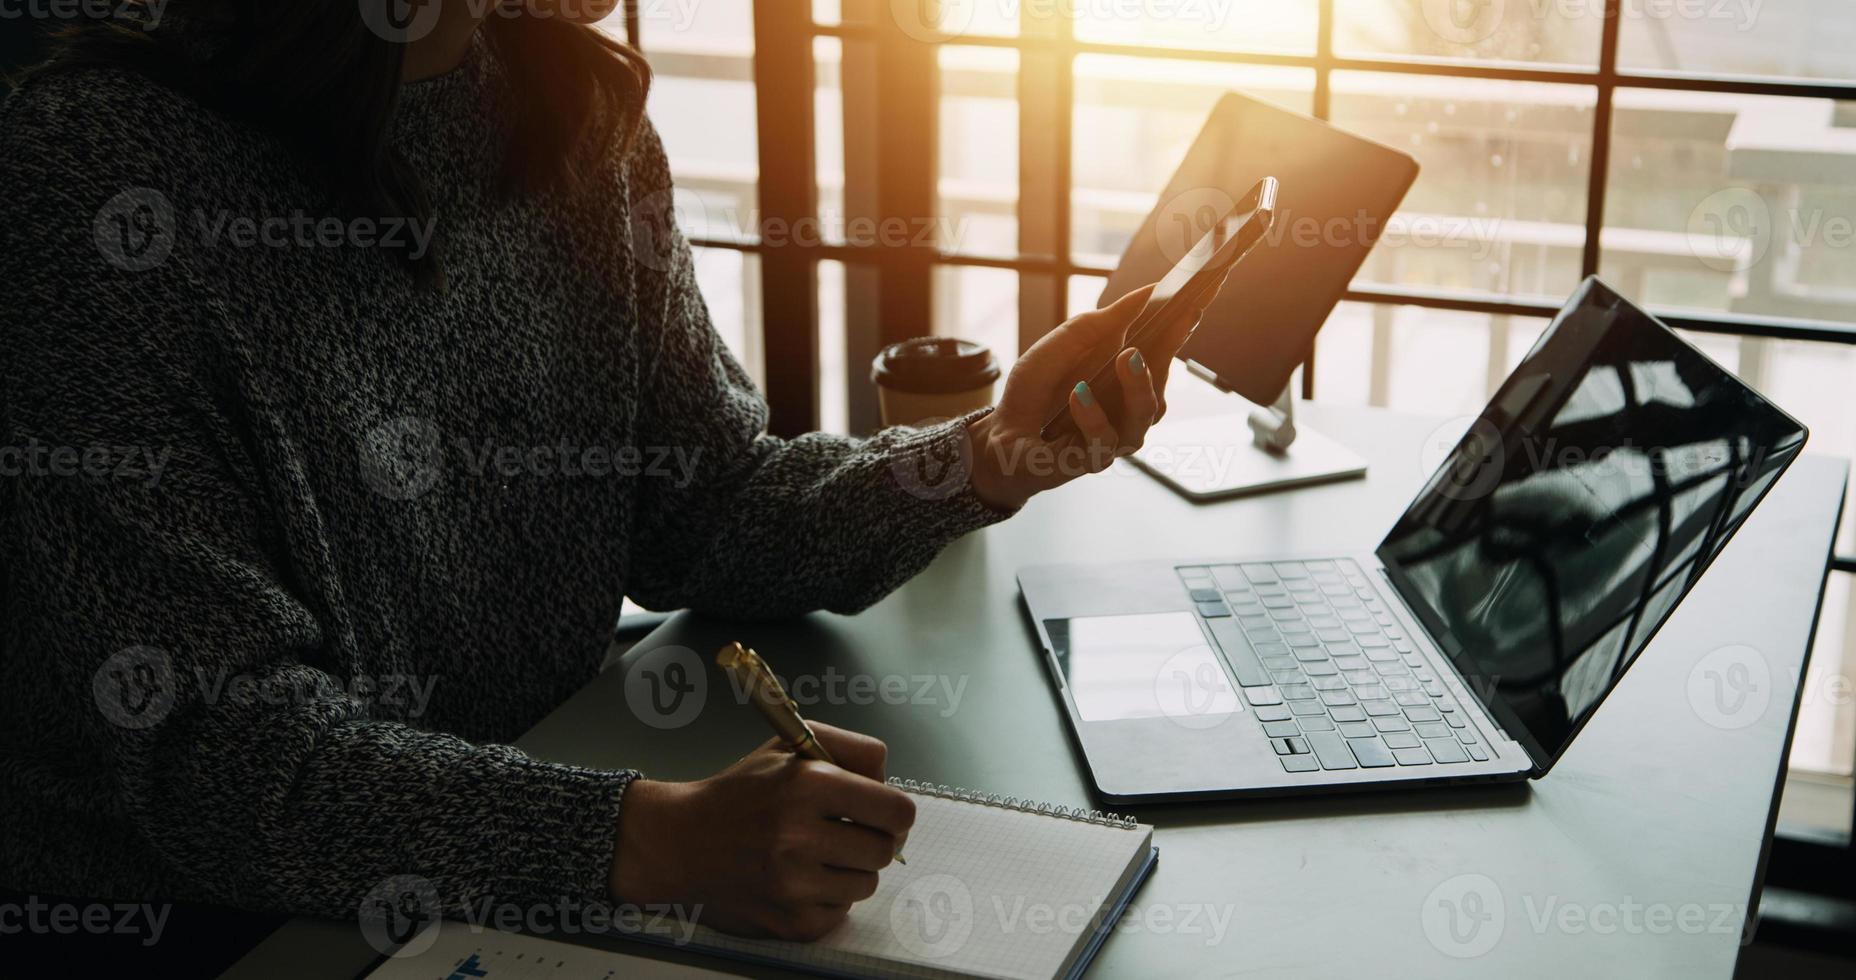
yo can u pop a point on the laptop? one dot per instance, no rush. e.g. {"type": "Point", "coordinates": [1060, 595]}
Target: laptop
{"type": "Point", "coordinates": [1484, 631]}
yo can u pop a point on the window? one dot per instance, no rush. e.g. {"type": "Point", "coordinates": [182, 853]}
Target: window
{"type": "Point", "coordinates": [975, 167]}
{"type": "Point", "coordinates": [703, 55]}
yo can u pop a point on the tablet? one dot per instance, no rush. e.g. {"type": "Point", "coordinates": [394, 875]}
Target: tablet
{"type": "Point", "coordinates": [1337, 192]}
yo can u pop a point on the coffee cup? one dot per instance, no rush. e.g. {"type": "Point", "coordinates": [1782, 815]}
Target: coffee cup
{"type": "Point", "coordinates": [932, 378]}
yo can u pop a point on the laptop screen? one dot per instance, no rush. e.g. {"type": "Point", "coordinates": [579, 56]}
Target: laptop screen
{"type": "Point", "coordinates": [1561, 530]}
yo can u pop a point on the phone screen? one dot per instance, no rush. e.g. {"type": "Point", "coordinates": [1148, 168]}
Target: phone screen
{"type": "Point", "coordinates": [1198, 275]}
{"type": "Point", "coordinates": [1191, 284]}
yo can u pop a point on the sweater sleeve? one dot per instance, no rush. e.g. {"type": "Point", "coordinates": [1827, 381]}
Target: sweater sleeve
{"type": "Point", "coordinates": [759, 526]}
{"type": "Point", "coordinates": [153, 623]}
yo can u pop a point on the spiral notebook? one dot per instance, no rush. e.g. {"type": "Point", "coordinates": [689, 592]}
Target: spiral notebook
{"type": "Point", "coordinates": [995, 887]}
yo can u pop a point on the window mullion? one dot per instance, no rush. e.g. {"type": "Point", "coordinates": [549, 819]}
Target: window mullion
{"type": "Point", "coordinates": [908, 161]}
{"type": "Point", "coordinates": [863, 337]}
{"type": "Point", "coordinates": [1598, 181]}
{"type": "Point", "coordinates": [1046, 105]}
{"type": "Point", "coordinates": [1324, 59]}
{"type": "Point", "coordinates": [1323, 106]}
{"type": "Point", "coordinates": [788, 192]}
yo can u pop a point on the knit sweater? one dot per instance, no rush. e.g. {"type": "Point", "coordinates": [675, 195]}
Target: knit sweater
{"type": "Point", "coordinates": [291, 543]}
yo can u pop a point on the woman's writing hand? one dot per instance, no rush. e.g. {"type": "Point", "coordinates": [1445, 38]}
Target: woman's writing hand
{"type": "Point", "coordinates": [774, 845]}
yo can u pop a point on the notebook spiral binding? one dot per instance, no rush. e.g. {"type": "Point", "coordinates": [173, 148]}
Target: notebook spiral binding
{"type": "Point", "coordinates": [947, 792]}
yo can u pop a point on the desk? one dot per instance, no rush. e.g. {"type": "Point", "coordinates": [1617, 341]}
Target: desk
{"type": "Point", "coordinates": [1637, 856]}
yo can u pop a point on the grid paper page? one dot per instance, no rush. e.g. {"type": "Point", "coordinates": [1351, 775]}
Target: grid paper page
{"type": "Point", "coordinates": [460, 951]}
{"type": "Point", "coordinates": [987, 892]}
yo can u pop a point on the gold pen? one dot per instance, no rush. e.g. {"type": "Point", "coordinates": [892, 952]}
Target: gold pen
{"type": "Point", "coordinates": [751, 674]}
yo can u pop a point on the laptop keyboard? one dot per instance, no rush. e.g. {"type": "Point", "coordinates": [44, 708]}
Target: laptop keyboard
{"type": "Point", "coordinates": [1330, 674]}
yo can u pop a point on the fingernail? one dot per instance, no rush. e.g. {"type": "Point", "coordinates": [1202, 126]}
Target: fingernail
{"type": "Point", "coordinates": [1084, 395]}
{"type": "Point", "coordinates": [1137, 362]}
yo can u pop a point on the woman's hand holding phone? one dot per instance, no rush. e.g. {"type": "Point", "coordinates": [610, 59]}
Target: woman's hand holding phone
{"type": "Point", "coordinates": [1011, 459]}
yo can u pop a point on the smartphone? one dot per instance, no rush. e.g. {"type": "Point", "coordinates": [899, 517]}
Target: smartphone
{"type": "Point", "coordinates": [1191, 284]}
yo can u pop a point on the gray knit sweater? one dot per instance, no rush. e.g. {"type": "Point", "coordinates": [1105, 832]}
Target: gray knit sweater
{"type": "Point", "coordinates": [290, 544]}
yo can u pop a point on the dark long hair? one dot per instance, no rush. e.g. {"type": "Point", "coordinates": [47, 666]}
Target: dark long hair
{"type": "Point", "coordinates": [316, 75]}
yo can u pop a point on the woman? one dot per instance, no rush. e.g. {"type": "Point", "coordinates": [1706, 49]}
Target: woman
{"type": "Point", "coordinates": [336, 304]}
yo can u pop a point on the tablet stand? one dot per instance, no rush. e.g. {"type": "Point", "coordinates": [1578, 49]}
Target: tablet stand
{"type": "Point", "coordinates": [1206, 458]}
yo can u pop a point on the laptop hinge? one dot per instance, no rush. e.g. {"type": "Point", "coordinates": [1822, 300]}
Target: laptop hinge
{"type": "Point", "coordinates": [1488, 712]}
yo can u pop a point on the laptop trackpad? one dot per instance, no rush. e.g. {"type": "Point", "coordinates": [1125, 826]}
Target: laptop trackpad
{"type": "Point", "coordinates": [1155, 665]}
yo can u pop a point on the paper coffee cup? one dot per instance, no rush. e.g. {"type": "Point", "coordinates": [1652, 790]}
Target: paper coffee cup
{"type": "Point", "coordinates": [932, 378]}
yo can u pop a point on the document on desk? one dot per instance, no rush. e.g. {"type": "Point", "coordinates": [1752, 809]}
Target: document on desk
{"type": "Point", "coordinates": [994, 887]}
{"type": "Point", "coordinates": [464, 953]}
